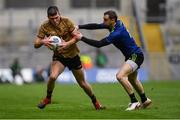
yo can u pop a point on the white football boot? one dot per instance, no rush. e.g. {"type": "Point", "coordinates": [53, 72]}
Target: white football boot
{"type": "Point", "coordinates": [146, 104]}
{"type": "Point", "coordinates": [133, 106]}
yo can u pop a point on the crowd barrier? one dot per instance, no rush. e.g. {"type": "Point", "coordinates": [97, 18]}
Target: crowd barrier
{"type": "Point", "coordinates": [95, 75]}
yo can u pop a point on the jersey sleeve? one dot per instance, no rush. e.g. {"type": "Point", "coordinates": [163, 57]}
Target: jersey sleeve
{"type": "Point", "coordinates": [93, 26]}
{"type": "Point", "coordinates": [102, 25]}
{"type": "Point", "coordinates": [41, 32]}
{"type": "Point", "coordinates": [95, 43]}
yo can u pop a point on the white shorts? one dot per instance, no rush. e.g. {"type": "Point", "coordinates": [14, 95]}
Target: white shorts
{"type": "Point", "coordinates": [133, 65]}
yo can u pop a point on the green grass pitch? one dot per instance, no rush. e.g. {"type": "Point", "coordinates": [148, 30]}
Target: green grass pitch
{"type": "Point", "coordinates": [70, 102]}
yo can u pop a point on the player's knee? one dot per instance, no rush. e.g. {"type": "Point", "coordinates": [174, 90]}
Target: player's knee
{"type": "Point", "coordinates": [119, 77]}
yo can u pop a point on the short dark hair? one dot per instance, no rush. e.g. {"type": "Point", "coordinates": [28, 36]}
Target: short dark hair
{"type": "Point", "coordinates": [112, 14]}
{"type": "Point", "coordinates": [52, 10]}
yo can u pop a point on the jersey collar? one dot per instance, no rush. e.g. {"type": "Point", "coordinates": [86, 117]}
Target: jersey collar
{"type": "Point", "coordinates": [118, 24]}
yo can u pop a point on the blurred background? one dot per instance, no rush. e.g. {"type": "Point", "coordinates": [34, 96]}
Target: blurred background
{"type": "Point", "coordinates": [155, 25]}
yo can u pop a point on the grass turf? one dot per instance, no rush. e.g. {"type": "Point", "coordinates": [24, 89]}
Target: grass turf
{"type": "Point", "coordinates": [69, 101]}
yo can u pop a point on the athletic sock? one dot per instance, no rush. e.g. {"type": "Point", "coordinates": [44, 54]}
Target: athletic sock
{"type": "Point", "coordinates": [143, 97]}
{"type": "Point", "coordinates": [49, 94]}
{"type": "Point", "coordinates": [93, 98]}
{"type": "Point", "coordinates": [133, 98]}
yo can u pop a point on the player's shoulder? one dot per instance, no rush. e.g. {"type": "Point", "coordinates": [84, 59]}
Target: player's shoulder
{"type": "Point", "coordinates": [45, 24]}
{"type": "Point", "coordinates": [65, 19]}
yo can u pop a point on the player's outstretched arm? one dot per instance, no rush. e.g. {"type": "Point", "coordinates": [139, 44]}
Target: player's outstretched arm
{"type": "Point", "coordinates": [93, 26]}
{"type": "Point", "coordinates": [95, 43]}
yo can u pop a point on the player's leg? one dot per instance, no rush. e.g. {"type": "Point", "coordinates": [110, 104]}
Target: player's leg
{"type": "Point", "coordinates": [139, 88]}
{"type": "Point", "coordinates": [79, 75]}
{"type": "Point", "coordinates": [135, 82]}
{"type": "Point", "coordinates": [56, 69]}
{"type": "Point", "coordinates": [122, 77]}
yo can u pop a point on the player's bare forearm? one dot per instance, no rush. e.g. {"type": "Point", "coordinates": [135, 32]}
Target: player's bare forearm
{"type": "Point", "coordinates": [67, 44]}
{"type": "Point", "coordinates": [73, 41]}
{"type": "Point", "coordinates": [37, 43]}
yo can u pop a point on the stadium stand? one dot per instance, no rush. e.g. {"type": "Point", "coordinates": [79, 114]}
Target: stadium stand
{"type": "Point", "coordinates": [153, 37]}
{"type": "Point", "coordinates": [18, 29]}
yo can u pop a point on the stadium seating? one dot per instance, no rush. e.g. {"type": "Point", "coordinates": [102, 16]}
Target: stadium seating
{"type": "Point", "coordinates": [130, 23]}
{"type": "Point", "coordinates": [153, 37]}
